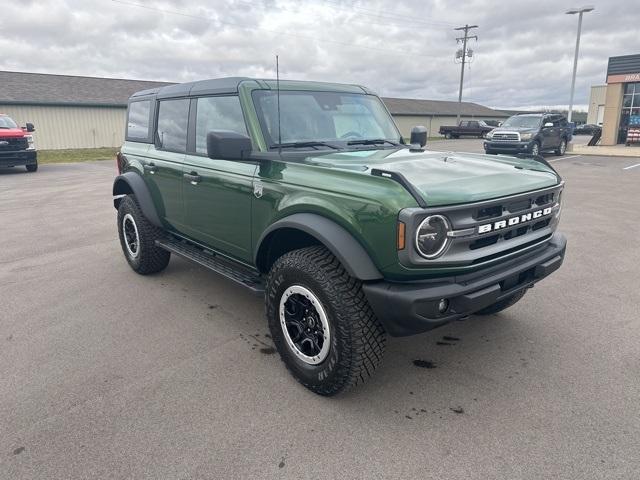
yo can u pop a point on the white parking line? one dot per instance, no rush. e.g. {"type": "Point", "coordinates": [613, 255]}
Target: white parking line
{"type": "Point", "coordinates": [631, 166]}
{"type": "Point", "coordinates": [564, 158]}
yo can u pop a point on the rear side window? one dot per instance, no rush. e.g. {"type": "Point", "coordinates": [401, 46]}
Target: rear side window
{"type": "Point", "coordinates": [138, 120]}
{"type": "Point", "coordinates": [217, 113]}
{"type": "Point", "coordinates": [173, 117]}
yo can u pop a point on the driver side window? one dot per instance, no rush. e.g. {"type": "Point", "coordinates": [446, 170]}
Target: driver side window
{"type": "Point", "coordinates": [217, 113]}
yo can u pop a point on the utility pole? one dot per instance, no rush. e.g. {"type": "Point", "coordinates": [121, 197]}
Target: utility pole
{"type": "Point", "coordinates": [573, 11]}
{"type": "Point", "coordinates": [463, 56]}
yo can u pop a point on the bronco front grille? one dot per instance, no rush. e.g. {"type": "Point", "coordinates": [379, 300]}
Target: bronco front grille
{"type": "Point", "coordinates": [490, 229]}
{"type": "Point", "coordinates": [13, 144]}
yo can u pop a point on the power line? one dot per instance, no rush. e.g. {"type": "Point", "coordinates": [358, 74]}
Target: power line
{"type": "Point", "coordinates": [373, 13]}
{"type": "Point", "coordinates": [463, 55]}
{"type": "Point", "coordinates": [317, 41]}
{"type": "Point", "coordinates": [407, 23]}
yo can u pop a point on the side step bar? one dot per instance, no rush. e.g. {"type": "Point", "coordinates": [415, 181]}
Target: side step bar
{"type": "Point", "coordinates": [227, 268]}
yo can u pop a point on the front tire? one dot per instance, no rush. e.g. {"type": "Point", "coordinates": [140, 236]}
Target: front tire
{"type": "Point", "coordinates": [535, 149]}
{"type": "Point", "coordinates": [562, 148]}
{"type": "Point", "coordinates": [32, 168]}
{"type": "Point", "coordinates": [137, 239]}
{"type": "Point", "coordinates": [321, 323]}
{"type": "Point", "coordinates": [502, 304]}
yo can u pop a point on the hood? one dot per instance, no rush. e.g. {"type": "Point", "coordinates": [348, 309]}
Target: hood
{"type": "Point", "coordinates": [447, 178]}
{"type": "Point", "coordinates": [11, 132]}
{"type": "Point", "coordinates": [515, 129]}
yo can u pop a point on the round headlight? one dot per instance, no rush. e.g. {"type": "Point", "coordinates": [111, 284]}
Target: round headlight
{"type": "Point", "coordinates": [431, 236]}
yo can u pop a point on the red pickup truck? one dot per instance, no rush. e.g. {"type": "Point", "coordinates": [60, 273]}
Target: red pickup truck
{"type": "Point", "coordinates": [16, 144]}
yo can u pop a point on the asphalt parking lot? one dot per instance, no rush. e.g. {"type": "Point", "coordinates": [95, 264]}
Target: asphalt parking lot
{"type": "Point", "coordinates": [107, 374]}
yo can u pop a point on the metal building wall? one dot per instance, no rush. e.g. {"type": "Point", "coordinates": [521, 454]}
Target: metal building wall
{"type": "Point", "coordinates": [60, 127]}
{"type": "Point", "coordinates": [596, 102]}
{"type": "Point", "coordinates": [433, 123]}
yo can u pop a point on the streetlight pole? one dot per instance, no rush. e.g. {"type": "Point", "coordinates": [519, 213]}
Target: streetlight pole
{"type": "Point", "coordinates": [573, 11]}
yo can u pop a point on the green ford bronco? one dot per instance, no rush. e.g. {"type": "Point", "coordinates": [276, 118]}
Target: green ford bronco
{"type": "Point", "coordinates": [307, 193]}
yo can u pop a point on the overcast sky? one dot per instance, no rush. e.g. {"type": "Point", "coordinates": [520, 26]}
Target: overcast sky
{"type": "Point", "coordinates": [404, 48]}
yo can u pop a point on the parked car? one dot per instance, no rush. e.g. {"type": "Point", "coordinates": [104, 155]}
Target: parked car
{"type": "Point", "coordinates": [16, 144]}
{"type": "Point", "coordinates": [493, 123]}
{"type": "Point", "coordinates": [305, 193]}
{"type": "Point", "coordinates": [587, 129]}
{"type": "Point", "coordinates": [531, 133]}
{"type": "Point", "coordinates": [473, 128]}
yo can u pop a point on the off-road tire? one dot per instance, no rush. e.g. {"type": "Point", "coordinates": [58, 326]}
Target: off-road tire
{"type": "Point", "coordinates": [150, 258]}
{"type": "Point", "coordinates": [502, 304]}
{"type": "Point", "coordinates": [357, 337]}
{"type": "Point", "coordinates": [562, 148]}
{"type": "Point", "coordinates": [32, 167]}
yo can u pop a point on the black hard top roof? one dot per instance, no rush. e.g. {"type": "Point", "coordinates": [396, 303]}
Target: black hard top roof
{"type": "Point", "coordinates": [230, 85]}
{"type": "Point", "coordinates": [536, 114]}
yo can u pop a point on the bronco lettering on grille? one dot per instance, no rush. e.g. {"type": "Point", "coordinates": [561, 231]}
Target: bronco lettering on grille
{"type": "Point", "coordinates": [527, 217]}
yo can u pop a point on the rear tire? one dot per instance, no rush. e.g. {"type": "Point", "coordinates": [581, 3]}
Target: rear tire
{"type": "Point", "coordinates": [321, 323]}
{"type": "Point", "coordinates": [137, 239]}
{"type": "Point", "coordinates": [32, 168]}
{"type": "Point", "coordinates": [447, 136]}
{"type": "Point", "coordinates": [502, 304]}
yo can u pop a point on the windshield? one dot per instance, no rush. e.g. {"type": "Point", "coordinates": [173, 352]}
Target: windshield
{"type": "Point", "coordinates": [6, 122]}
{"type": "Point", "coordinates": [523, 121]}
{"type": "Point", "coordinates": [324, 117]}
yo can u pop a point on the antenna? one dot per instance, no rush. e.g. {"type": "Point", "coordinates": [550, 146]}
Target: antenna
{"type": "Point", "coordinates": [278, 97]}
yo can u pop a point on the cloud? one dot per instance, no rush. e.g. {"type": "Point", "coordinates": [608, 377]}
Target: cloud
{"type": "Point", "coordinates": [523, 56]}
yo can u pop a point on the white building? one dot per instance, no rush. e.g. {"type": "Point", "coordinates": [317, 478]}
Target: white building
{"type": "Point", "coordinates": [433, 114]}
{"type": "Point", "coordinates": [597, 101]}
{"type": "Point", "coordinates": [69, 111]}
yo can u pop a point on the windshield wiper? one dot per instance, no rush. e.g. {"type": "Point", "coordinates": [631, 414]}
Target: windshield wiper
{"type": "Point", "coordinates": [372, 141]}
{"type": "Point", "coordinates": [303, 145]}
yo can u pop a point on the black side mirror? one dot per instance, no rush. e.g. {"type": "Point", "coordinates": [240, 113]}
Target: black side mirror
{"type": "Point", "coordinates": [227, 145]}
{"type": "Point", "coordinates": [30, 127]}
{"type": "Point", "coordinates": [418, 136]}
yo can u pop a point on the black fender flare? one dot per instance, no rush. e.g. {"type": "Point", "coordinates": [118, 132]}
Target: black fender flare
{"type": "Point", "coordinates": [133, 183]}
{"type": "Point", "coordinates": [339, 241]}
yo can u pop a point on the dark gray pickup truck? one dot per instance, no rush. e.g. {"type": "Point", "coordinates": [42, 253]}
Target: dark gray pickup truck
{"type": "Point", "coordinates": [531, 133]}
{"type": "Point", "coordinates": [469, 128]}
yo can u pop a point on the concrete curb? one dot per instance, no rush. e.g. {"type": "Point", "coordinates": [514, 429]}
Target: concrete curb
{"type": "Point", "coordinates": [613, 151]}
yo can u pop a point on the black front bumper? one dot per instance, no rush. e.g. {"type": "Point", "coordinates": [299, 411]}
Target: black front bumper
{"type": "Point", "coordinates": [410, 308]}
{"type": "Point", "coordinates": [507, 147]}
{"type": "Point", "coordinates": [19, 157]}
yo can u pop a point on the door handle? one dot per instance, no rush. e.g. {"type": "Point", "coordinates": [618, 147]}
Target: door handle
{"type": "Point", "coordinates": [193, 178]}
{"type": "Point", "coordinates": [151, 168]}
